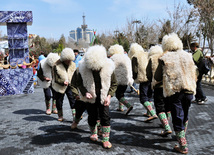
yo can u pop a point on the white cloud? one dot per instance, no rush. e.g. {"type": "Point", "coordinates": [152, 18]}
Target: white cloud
{"type": "Point", "coordinates": [154, 9]}
{"type": "Point", "coordinates": [63, 6]}
{"type": "Point", "coordinates": [118, 4]}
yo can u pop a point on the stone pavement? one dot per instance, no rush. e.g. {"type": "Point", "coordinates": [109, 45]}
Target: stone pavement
{"type": "Point", "coordinates": [26, 129]}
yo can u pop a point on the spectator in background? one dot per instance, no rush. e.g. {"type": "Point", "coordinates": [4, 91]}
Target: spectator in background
{"type": "Point", "coordinates": [41, 57]}
{"type": "Point", "coordinates": [125, 53]}
{"type": "Point", "coordinates": [6, 58]}
{"type": "Point", "coordinates": [197, 55]}
{"type": "Point", "coordinates": [77, 57]}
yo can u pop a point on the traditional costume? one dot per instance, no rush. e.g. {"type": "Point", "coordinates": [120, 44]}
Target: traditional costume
{"type": "Point", "coordinates": [62, 73]}
{"type": "Point", "coordinates": [139, 60]}
{"type": "Point", "coordinates": [45, 79]}
{"type": "Point", "coordinates": [123, 73]}
{"type": "Point", "coordinates": [178, 72]}
{"type": "Point", "coordinates": [161, 103]}
{"type": "Point", "coordinates": [96, 83]}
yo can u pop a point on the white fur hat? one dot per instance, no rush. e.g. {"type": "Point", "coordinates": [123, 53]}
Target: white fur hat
{"type": "Point", "coordinates": [134, 48]}
{"type": "Point", "coordinates": [52, 58]}
{"type": "Point", "coordinates": [115, 49]}
{"type": "Point", "coordinates": [172, 42]}
{"type": "Point", "coordinates": [67, 54]}
{"type": "Point", "coordinates": [155, 50]}
{"type": "Point", "coordinates": [95, 57]}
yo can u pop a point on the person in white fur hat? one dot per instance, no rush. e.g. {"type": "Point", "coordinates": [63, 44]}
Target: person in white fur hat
{"type": "Point", "coordinates": [177, 70]}
{"type": "Point", "coordinates": [139, 60]}
{"type": "Point", "coordinates": [162, 106]}
{"type": "Point", "coordinates": [62, 73]}
{"type": "Point", "coordinates": [123, 72]}
{"type": "Point", "coordinates": [97, 83]}
{"type": "Point", "coordinates": [44, 80]}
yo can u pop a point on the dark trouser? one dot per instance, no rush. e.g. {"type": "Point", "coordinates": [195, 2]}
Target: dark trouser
{"type": "Point", "coordinates": [80, 107]}
{"type": "Point", "coordinates": [144, 89]}
{"type": "Point", "coordinates": [60, 98]}
{"type": "Point", "coordinates": [180, 107]}
{"type": "Point", "coordinates": [53, 93]}
{"type": "Point", "coordinates": [97, 110]}
{"type": "Point", "coordinates": [199, 92]}
{"type": "Point", "coordinates": [161, 103]}
{"type": "Point", "coordinates": [47, 92]}
{"type": "Point", "coordinates": [150, 92]}
{"type": "Point", "coordinates": [120, 91]}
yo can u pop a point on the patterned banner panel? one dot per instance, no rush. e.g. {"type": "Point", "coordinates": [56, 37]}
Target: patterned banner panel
{"type": "Point", "coordinates": [18, 43]}
{"type": "Point", "coordinates": [17, 31]}
{"type": "Point", "coordinates": [16, 17]}
{"type": "Point", "coordinates": [16, 81]}
{"type": "Point", "coordinates": [19, 55]}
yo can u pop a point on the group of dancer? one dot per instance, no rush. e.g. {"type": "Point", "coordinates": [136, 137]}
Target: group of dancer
{"type": "Point", "coordinates": [166, 70]}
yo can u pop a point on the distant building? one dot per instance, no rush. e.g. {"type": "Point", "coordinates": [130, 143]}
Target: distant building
{"type": "Point", "coordinates": [82, 33]}
{"type": "Point", "coordinates": [78, 34]}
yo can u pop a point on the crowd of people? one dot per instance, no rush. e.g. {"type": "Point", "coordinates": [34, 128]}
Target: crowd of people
{"type": "Point", "coordinates": [167, 77]}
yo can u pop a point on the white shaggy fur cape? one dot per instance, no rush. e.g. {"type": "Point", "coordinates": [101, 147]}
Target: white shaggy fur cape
{"type": "Point", "coordinates": [179, 72]}
{"type": "Point", "coordinates": [155, 53]}
{"type": "Point", "coordinates": [123, 69]}
{"type": "Point", "coordinates": [123, 66]}
{"type": "Point", "coordinates": [46, 65]}
{"type": "Point", "coordinates": [171, 42]}
{"type": "Point", "coordinates": [65, 75]}
{"type": "Point", "coordinates": [67, 54]}
{"type": "Point", "coordinates": [115, 49]}
{"type": "Point", "coordinates": [96, 55]}
{"type": "Point", "coordinates": [52, 59]}
{"type": "Point", "coordinates": [135, 48]}
{"type": "Point", "coordinates": [142, 60]}
{"type": "Point", "coordinates": [46, 72]}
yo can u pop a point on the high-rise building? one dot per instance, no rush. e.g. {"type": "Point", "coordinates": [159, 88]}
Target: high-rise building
{"type": "Point", "coordinates": [82, 33]}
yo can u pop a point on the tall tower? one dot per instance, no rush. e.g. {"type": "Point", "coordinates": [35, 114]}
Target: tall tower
{"type": "Point", "coordinates": [84, 26]}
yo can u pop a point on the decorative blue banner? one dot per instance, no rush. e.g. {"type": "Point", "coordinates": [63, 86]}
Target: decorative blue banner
{"type": "Point", "coordinates": [16, 81]}
{"type": "Point", "coordinates": [17, 31]}
{"type": "Point", "coordinates": [16, 17]}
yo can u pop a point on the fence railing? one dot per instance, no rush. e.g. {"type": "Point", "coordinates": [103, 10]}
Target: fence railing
{"type": "Point", "coordinates": [209, 78]}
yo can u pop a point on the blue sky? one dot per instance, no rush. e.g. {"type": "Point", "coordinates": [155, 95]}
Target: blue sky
{"type": "Point", "coordinates": [52, 18]}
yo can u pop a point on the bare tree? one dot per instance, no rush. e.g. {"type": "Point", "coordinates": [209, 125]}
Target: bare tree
{"type": "Point", "coordinates": [105, 40]}
{"type": "Point", "coordinates": [128, 30]}
{"type": "Point", "coordinates": [206, 22]}
{"type": "Point", "coordinates": [183, 21]}
{"type": "Point", "coordinates": [71, 43]}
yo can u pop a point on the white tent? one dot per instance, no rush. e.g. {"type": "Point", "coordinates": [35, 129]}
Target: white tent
{"type": "Point", "coordinates": [3, 45]}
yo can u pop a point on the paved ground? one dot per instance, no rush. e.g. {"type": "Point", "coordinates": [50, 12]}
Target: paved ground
{"type": "Point", "coordinates": [26, 129]}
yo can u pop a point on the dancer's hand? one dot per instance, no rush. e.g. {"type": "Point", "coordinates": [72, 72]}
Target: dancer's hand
{"type": "Point", "coordinates": [88, 96]}
{"type": "Point", "coordinates": [77, 97]}
{"type": "Point", "coordinates": [107, 100]}
{"type": "Point", "coordinates": [47, 79]}
{"type": "Point", "coordinates": [66, 83]}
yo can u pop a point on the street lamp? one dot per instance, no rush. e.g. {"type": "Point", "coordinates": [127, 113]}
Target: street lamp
{"type": "Point", "coordinates": [136, 22]}
{"type": "Point", "coordinates": [116, 33]}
